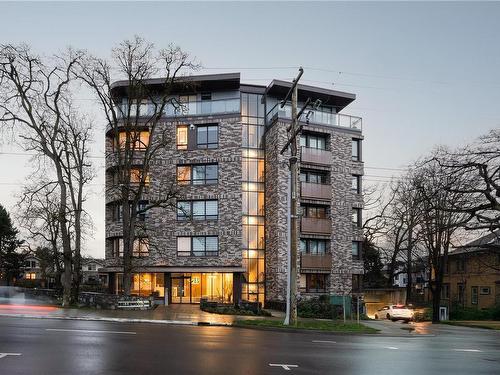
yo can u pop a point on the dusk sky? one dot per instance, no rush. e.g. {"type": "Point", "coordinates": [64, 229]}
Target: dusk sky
{"type": "Point", "coordinates": [424, 73]}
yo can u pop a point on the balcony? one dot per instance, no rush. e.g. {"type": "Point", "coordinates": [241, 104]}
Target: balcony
{"type": "Point", "coordinates": [321, 117]}
{"type": "Point", "coordinates": [194, 108]}
{"type": "Point", "coordinates": [310, 262]}
{"type": "Point", "coordinates": [315, 225]}
{"type": "Point", "coordinates": [315, 156]}
{"type": "Point", "coordinates": [315, 191]}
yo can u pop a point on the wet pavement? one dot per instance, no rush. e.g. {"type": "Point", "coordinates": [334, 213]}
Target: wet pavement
{"type": "Point", "coordinates": [43, 346]}
{"type": "Point", "coordinates": [172, 313]}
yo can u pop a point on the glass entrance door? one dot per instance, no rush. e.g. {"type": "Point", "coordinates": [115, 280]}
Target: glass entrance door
{"type": "Point", "coordinates": [181, 289]}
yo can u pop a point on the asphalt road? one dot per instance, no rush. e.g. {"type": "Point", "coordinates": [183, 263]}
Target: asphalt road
{"type": "Point", "coordinates": [43, 346]}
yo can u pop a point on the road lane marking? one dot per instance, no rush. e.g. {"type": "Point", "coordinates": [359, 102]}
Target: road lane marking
{"type": "Point", "coordinates": [89, 331]}
{"type": "Point", "coordinates": [467, 350]}
{"type": "Point", "coordinates": [391, 347]}
{"type": "Point", "coordinates": [283, 366]}
{"type": "Point", "coordinates": [325, 341]}
{"type": "Point", "coordinates": [3, 355]}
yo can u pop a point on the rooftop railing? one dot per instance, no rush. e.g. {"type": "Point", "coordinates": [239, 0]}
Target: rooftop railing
{"type": "Point", "coordinates": [316, 117]}
{"type": "Point", "coordinates": [192, 108]}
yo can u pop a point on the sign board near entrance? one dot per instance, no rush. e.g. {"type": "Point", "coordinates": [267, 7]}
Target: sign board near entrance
{"type": "Point", "coordinates": [141, 304]}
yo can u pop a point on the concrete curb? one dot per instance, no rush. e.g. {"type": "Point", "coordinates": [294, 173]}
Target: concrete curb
{"type": "Point", "coordinates": [119, 320]}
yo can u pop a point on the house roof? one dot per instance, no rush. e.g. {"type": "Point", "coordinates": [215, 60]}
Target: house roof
{"type": "Point", "coordinates": [487, 242]}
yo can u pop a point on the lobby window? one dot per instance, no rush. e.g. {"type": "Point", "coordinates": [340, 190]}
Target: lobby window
{"type": "Point", "coordinates": [198, 246]}
{"type": "Point", "coordinates": [356, 216]}
{"type": "Point", "coordinates": [207, 136]}
{"type": "Point", "coordinates": [203, 174]}
{"type": "Point", "coordinates": [319, 212]}
{"type": "Point", "coordinates": [356, 250]}
{"type": "Point", "coordinates": [182, 137]}
{"type": "Point", "coordinates": [313, 247]}
{"type": "Point", "coordinates": [316, 282]}
{"type": "Point", "coordinates": [356, 184]}
{"type": "Point", "coordinates": [356, 149]}
{"type": "Point", "coordinates": [140, 247]}
{"type": "Point", "coordinates": [197, 210]}
{"type": "Point", "coordinates": [314, 177]}
{"type": "Point", "coordinates": [313, 141]}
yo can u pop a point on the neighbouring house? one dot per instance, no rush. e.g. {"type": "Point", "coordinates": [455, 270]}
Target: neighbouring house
{"type": "Point", "coordinates": [90, 271]}
{"type": "Point", "coordinates": [472, 274]}
{"type": "Point", "coordinates": [33, 271]}
{"type": "Point", "coordinates": [227, 239]}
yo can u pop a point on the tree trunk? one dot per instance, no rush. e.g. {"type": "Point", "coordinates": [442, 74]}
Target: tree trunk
{"type": "Point", "coordinates": [128, 238]}
{"type": "Point", "coordinates": [77, 272]}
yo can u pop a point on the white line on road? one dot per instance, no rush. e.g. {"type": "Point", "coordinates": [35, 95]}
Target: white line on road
{"type": "Point", "coordinates": [285, 367]}
{"type": "Point", "coordinates": [89, 331]}
{"type": "Point", "coordinates": [325, 341]}
{"type": "Point", "coordinates": [390, 347]}
{"type": "Point", "coordinates": [3, 355]}
{"type": "Point", "coordinates": [467, 350]}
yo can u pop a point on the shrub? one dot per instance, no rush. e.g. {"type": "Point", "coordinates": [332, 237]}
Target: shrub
{"type": "Point", "coordinates": [470, 313]}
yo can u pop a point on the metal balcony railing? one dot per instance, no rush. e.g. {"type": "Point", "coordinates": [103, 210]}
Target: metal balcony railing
{"type": "Point", "coordinates": [316, 117]}
{"type": "Point", "coordinates": [192, 108]}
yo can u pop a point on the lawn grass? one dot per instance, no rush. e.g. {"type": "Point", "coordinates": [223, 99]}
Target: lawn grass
{"type": "Point", "coordinates": [475, 324]}
{"type": "Point", "coordinates": [320, 325]}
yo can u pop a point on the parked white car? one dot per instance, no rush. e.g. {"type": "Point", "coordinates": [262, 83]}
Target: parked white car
{"type": "Point", "coordinates": [395, 312]}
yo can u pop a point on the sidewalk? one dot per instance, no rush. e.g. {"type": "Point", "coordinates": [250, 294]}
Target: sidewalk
{"type": "Point", "coordinates": [173, 314]}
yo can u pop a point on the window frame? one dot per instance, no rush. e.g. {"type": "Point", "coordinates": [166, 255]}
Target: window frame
{"type": "Point", "coordinates": [308, 242]}
{"type": "Point", "coordinates": [310, 276]}
{"type": "Point", "coordinates": [192, 216]}
{"type": "Point", "coordinates": [191, 180]}
{"type": "Point", "coordinates": [184, 144]}
{"type": "Point", "coordinates": [357, 188]}
{"type": "Point", "coordinates": [357, 213]}
{"type": "Point", "coordinates": [359, 247]}
{"type": "Point", "coordinates": [207, 145]}
{"type": "Point", "coordinates": [356, 146]}
{"type": "Point", "coordinates": [192, 253]}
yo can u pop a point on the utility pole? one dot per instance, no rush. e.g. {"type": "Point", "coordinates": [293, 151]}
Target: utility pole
{"type": "Point", "coordinates": [293, 131]}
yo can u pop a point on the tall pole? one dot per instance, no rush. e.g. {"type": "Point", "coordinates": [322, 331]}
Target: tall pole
{"type": "Point", "coordinates": [293, 212]}
{"type": "Point", "coordinates": [293, 131]}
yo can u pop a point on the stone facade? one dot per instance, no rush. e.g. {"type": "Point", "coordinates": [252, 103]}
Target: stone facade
{"type": "Point", "coordinates": [343, 232]}
{"type": "Point", "coordinates": [161, 224]}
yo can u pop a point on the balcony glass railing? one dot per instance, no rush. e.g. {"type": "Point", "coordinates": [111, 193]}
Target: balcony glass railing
{"type": "Point", "coordinates": [204, 107]}
{"type": "Point", "coordinates": [316, 117]}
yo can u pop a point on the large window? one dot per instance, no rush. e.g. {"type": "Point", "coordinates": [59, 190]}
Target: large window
{"type": "Point", "coordinates": [253, 237]}
{"type": "Point", "coordinates": [356, 217]}
{"type": "Point", "coordinates": [474, 295]}
{"type": "Point", "coordinates": [136, 176]}
{"type": "Point", "coordinates": [138, 140]}
{"type": "Point", "coordinates": [320, 212]}
{"type": "Point", "coordinates": [140, 247]}
{"type": "Point", "coordinates": [253, 203]}
{"type": "Point", "coordinates": [182, 137]}
{"type": "Point", "coordinates": [356, 249]}
{"type": "Point", "coordinates": [356, 184]}
{"type": "Point", "coordinates": [203, 174]}
{"type": "Point", "coordinates": [252, 170]}
{"type": "Point", "coordinates": [313, 141]}
{"type": "Point", "coordinates": [198, 246]}
{"type": "Point", "coordinates": [314, 247]}
{"type": "Point", "coordinates": [356, 149]}
{"type": "Point", "coordinates": [316, 282]}
{"type": "Point", "coordinates": [207, 136]}
{"type": "Point", "coordinates": [314, 177]}
{"type": "Point", "coordinates": [445, 291]}
{"type": "Point", "coordinates": [197, 210]}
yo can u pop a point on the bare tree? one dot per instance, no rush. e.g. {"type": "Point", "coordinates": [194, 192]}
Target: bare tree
{"type": "Point", "coordinates": [37, 213]}
{"type": "Point", "coordinates": [35, 99]}
{"type": "Point", "coordinates": [135, 127]}
{"type": "Point", "coordinates": [474, 172]}
{"type": "Point", "coordinates": [438, 224]}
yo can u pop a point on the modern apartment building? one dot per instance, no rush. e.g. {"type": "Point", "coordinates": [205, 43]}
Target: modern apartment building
{"type": "Point", "coordinates": [227, 240]}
